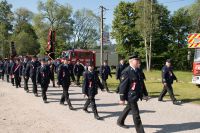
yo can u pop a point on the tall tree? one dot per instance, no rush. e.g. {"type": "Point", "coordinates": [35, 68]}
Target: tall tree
{"type": "Point", "coordinates": [86, 28]}
{"type": "Point", "coordinates": [57, 17]}
{"type": "Point", "coordinates": [6, 19]}
{"type": "Point", "coordinates": [24, 35]}
{"type": "Point", "coordinates": [124, 30]}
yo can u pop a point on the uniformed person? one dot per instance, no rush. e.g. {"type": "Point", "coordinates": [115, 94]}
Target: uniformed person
{"type": "Point", "coordinates": [90, 86]}
{"type": "Point", "coordinates": [104, 72]}
{"type": "Point", "coordinates": [11, 64]}
{"type": "Point", "coordinates": [25, 77]}
{"type": "Point", "coordinates": [1, 69]}
{"type": "Point", "coordinates": [122, 65]}
{"type": "Point", "coordinates": [7, 69]}
{"type": "Point", "coordinates": [78, 71]}
{"type": "Point", "coordinates": [43, 78]}
{"type": "Point", "coordinates": [142, 78]}
{"type": "Point", "coordinates": [16, 72]}
{"type": "Point", "coordinates": [30, 71]}
{"type": "Point", "coordinates": [130, 90]}
{"type": "Point", "coordinates": [71, 66]}
{"type": "Point", "coordinates": [64, 81]}
{"type": "Point", "coordinates": [167, 79]}
{"type": "Point", "coordinates": [52, 71]}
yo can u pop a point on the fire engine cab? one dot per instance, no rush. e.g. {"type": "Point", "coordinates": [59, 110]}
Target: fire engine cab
{"type": "Point", "coordinates": [194, 42]}
{"type": "Point", "coordinates": [85, 56]}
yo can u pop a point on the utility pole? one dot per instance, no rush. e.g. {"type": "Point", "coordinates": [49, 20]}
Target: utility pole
{"type": "Point", "coordinates": [102, 25]}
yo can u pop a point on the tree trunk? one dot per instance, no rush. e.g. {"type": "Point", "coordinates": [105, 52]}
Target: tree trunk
{"type": "Point", "coordinates": [146, 52]}
{"type": "Point", "coordinates": [150, 52]}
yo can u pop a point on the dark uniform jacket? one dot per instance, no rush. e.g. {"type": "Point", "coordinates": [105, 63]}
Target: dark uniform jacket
{"type": "Point", "coordinates": [63, 75]}
{"type": "Point", "coordinates": [168, 75]}
{"type": "Point", "coordinates": [91, 83]}
{"type": "Point", "coordinates": [16, 69]}
{"type": "Point", "coordinates": [43, 75]}
{"type": "Point", "coordinates": [1, 66]}
{"type": "Point", "coordinates": [130, 87]}
{"type": "Point", "coordinates": [31, 68]}
{"type": "Point", "coordinates": [78, 69]}
{"type": "Point", "coordinates": [52, 70]}
{"type": "Point", "coordinates": [119, 70]}
{"type": "Point", "coordinates": [104, 72]}
{"type": "Point", "coordinates": [142, 78]}
{"type": "Point", "coordinates": [71, 67]}
{"type": "Point", "coordinates": [24, 64]}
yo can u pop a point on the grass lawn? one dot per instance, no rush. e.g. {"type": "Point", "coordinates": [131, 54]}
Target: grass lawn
{"type": "Point", "coordinates": [184, 90]}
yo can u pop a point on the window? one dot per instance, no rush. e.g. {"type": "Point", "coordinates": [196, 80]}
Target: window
{"type": "Point", "coordinates": [83, 55]}
{"type": "Point", "coordinates": [197, 55]}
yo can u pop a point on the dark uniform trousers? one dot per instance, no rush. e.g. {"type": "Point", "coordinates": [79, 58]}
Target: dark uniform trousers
{"type": "Point", "coordinates": [133, 107]}
{"type": "Point", "coordinates": [91, 100]}
{"type": "Point", "coordinates": [104, 82]}
{"type": "Point", "coordinates": [168, 89]}
{"type": "Point", "coordinates": [17, 80]}
{"type": "Point", "coordinates": [44, 88]}
{"type": "Point", "coordinates": [12, 80]}
{"type": "Point", "coordinates": [33, 78]}
{"type": "Point", "coordinates": [26, 83]}
{"type": "Point", "coordinates": [65, 95]}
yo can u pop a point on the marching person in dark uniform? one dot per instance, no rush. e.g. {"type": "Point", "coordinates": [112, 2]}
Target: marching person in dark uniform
{"type": "Point", "coordinates": [25, 77]}
{"type": "Point", "coordinates": [71, 66]}
{"type": "Point", "coordinates": [167, 79]}
{"type": "Point", "coordinates": [43, 78]}
{"type": "Point", "coordinates": [142, 78]}
{"type": "Point", "coordinates": [64, 81]}
{"type": "Point", "coordinates": [52, 70]}
{"type": "Point", "coordinates": [7, 69]}
{"type": "Point", "coordinates": [130, 90]}
{"type": "Point", "coordinates": [91, 83]}
{"type": "Point", "coordinates": [78, 71]}
{"type": "Point", "coordinates": [16, 72]}
{"type": "Point", "coordinates": [122, 65]}
{"type": "Point", "coordinates": [30, 71]}
{"type": "Point", "coordinates": [104, 72]}
{"type": "Point", "coordinates": [11, 64]}
{"type": "Point", "coordinates": [1, 69]}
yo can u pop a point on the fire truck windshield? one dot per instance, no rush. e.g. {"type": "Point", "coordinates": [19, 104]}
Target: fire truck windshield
{"type": "Point", "coordinates": [197, 55]}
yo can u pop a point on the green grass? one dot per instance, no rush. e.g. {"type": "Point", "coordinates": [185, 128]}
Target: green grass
{"type": "Point", "coordinates": [184, 90]}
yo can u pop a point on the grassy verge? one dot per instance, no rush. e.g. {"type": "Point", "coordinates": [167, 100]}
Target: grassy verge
{"type": "Point", "coordinates": [184, 89]}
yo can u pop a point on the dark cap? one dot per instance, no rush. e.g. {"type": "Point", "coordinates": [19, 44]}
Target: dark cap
{"type": "Point", "coordinates": [169, 60]}
{"type": "Point", "coordinates": [133, 56]}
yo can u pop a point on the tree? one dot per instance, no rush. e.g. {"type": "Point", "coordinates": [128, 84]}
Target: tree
{"type": "Point", "coordinates": [86, 28]}
{"type": "Point", "coordinates": [57, 17]}
{"type": "Point", "coordinates": [6, 19]}
{"type": "Point", "coordinates": [24, 35]}
{"type": "Point", "coordinates": [124, 30]}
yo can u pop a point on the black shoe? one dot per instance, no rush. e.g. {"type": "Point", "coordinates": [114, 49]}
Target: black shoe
{"type": "Point", "coordinates": [36, 94]}
{"type": "Point", "coordinates": [45, 101]}
{"type": "Point", "coordinates": [86, 111]}
{"type": "Point", "coordinates": [160, 100]}
{"type": "Point", "coordinates": [71, 108]}
{"type": "Point", "coordinates": [27, 91]}
{"type": "Point", "coordinates": [122, 125]}
{"type": "Point", "coordinates": [177, 102]}
{"type": "Point", "coordinates": [98, 118]}
{"type": "Point", "coordinates": [17, 87]}
{"type": "Point", "coordinates": [62, 103]}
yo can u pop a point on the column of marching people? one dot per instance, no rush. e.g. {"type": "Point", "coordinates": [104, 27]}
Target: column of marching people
{"type": "Point", "coordinates": [42, 72]}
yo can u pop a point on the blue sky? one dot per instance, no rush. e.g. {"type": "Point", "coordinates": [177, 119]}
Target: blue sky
{"type": "Point", "coordinates": [172, 5]}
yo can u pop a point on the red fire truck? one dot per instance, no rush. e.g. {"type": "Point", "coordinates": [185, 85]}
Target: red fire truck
{"type": "Point", "coordinates": [85, 56]}
{"type": "Point", "coordinates": [194, 42]}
